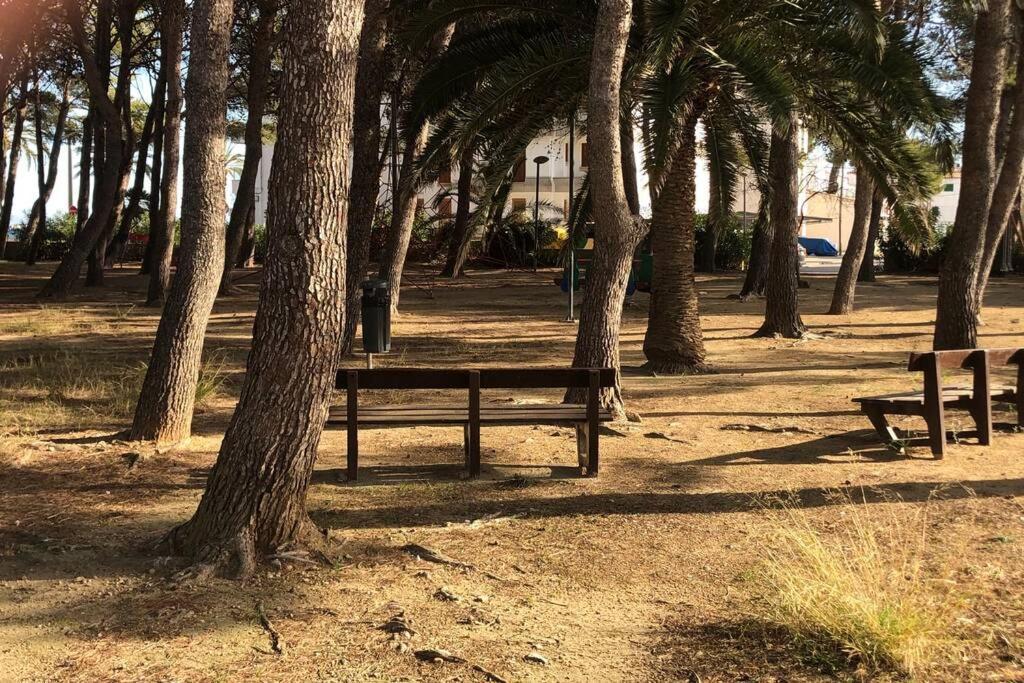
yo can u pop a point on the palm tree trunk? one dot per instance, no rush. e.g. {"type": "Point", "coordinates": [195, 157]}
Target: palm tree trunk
{"type": "Point", "coordinates": [161, 233]}
{"type": "Point", "coordinates": [459, 244]}
{"type": "Point", "coordinates": [867, 266]}
{"type": "Point", "coordinates": [617, 232]}
{"type": "Point", "coordinates": [674, 343]}
{"type": "Point", "coordinates": [256, 99]}
{"type": "Point", "coordinates": [1006, 195]}
{"type": "Point", "coordinates": [20, 111]}
{"type": "Point", "coordinates": [760, 254]}
{"type": "Point", "coordinates": [164, 410]}
{"type": "Point", "coordinates": [255, 497]}
{"type": "Point", "coordinates": [856, 247]}
{"type": "Point", "coordinates": [956, 325]}
{"type": "Point", "coordinates": [371, 76]}
{"type": "Point", "coordinates": [782, 313]}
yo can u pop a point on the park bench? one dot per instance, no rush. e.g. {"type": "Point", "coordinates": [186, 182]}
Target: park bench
{"type": "Point", "coordinates": [936, 397]}
{"type": "Point", "coordinates": [473, 414]}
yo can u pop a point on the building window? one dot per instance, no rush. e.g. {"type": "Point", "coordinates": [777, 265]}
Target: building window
{"type": "Point", "coordinates": [444, 209]}
{"type": "Point", "coordinates": [519, 176]}
{"type": "Point", "coordinates": [584, 159]}
{"type": "Point", "coordinates": [445, 176]}
{"type": "Point", "coordinates": [518, 204]}
{"type": "Point", "coordinates": [948, 187]}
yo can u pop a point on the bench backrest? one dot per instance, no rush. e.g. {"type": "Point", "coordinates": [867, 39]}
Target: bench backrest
{"type": "Point", "coordinates": [965, 359]}
{"type": "Point", "coordinates": [490, 378]}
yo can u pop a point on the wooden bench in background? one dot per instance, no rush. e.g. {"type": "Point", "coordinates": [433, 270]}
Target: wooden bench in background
{"type": "Point", "coordinates": [936, 397]}
{"type": "Point", "coordinates": [473, 414]}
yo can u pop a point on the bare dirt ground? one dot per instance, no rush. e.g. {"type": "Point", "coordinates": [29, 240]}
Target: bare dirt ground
{"type": "Point", "coordinates": [642, 574]}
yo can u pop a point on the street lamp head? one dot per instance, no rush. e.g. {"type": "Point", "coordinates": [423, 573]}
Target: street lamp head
{"type": "Point", "coordinates": [540, 160]}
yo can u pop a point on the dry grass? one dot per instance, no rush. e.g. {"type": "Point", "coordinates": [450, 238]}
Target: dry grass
{"type": "Point", "coordinates": [861, 587]}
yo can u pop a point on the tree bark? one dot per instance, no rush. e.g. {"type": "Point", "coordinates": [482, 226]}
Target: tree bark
{"type": "Point", "coordinates": [35, 232]}
{"type": "Point", "coordinates": [132, 210]}
{"type": "Point", "coordinates": [674, 343]}
{"type": "Point", "coordinates": [4, 91]}
{"type": "Point", "coordinates": [867, 266]}
{"type": "Point", "coordinates": [161, 233]}
{"type": "Point", "coordinates": [1006, 194]}
{"type": "Point", "coordinates": [156, 169]}
{"type": "Point", "coordinates": [113, 134]}
{"type": "Point", "coordinates": [404, 216]}
{"type": "Point", "coordinates": [629, 170]}
{"type": "Point", "coordinates": [164, 410]}
{"type": "Point", "coordinates": [256, 100]}
{"type": "Point", "coordinates": [617, 232]}
{"type": "Point", "coordinates": [85, 171]}
{"type": "Point", "coordinates": [254, 501]}
{"type": "Point", "coordinates": [956, 325]}
{"type": "Point", "coordinates": [856, 247]}
{"type": "Point", "coordinates": [371, 75]}
{"type": "Point", "coordinates": [782, 313]}
{"type": "Point", "coordinates": [760, 254]}
{"type": "Point", "coordinates": [20, 111]}
{"type": "Point", "coordinates": [458, 246]}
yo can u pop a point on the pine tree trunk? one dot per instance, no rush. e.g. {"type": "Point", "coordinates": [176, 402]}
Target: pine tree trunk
{"type": "Point", "coordinates": [97, 263]}
{"type": "Point", "coordinates": [617, 232]}
{"type": "Point", "coordinates": [3, 159]}
{"type": "Point", "coordinates": [156, 171]}
{"type": "Point", "coordinates": [85, 171]}
{"type": "Point", "coordinates": [254, 501]}
{"type": "Point", "coordinates": [403, 218]}
{"type": "Point", "coordinates": [629, 171]}
{"type": "Point", "coordinates": [459, 243]}
{"type": "Point", "coordinates": [36, 234]}
{"type": "Point", "coordinates": [1005, 196]}
{"type": "Point", "coordinates": [161, 233]}
{"type": "Point", "coordinates": [20, 111]}
{"type": "Point", "coordinates": [956, 325]}
{"type": "Point", "coordinates": [782, 313]}
{"type": "Point", "coordinates": [674, 343]}
{"type": "Point", "coordinates": [856, 247]}
{"type": "Point", "coordinates": [131, 212]}
{"type": "Point", "coordinates": [371, 75]}
{"type": "Point", "coordinates": [110, 130]}
{"type": "Point", "coordinates": [256, 99]}
{"type": "Point", "coordinates": [867, 266]}
{"type": "Point", "coordinates": [164, 410]}
{"type": "Point", "coordinates": [760, 254]}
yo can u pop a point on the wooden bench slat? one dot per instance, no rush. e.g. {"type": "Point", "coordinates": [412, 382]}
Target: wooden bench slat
{"type": "Point", "coordinates": [948, 393]}
{"type": "Point", "coordinates": [490, 414]}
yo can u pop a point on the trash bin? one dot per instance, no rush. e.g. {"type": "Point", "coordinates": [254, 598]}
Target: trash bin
{"type": "Point", "coordinates": [376, 316]}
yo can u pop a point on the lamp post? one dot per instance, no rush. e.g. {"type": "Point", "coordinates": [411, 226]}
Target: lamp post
{"type": "Point", "coordinates": [539, 160]}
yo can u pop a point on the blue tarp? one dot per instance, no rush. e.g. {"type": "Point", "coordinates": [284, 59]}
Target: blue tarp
{"type": "Point", "coordinates": [818, 246]}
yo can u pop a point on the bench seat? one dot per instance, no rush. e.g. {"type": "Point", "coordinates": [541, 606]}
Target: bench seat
{"type": "Point", "coordinates": [492, 414]}
{"type": "Point", "coordinates": [949, 395]}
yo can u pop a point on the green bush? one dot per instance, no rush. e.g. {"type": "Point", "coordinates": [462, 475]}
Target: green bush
{"type": "Point", "coordinates": [734, 241]}
{"type": "Point", "coordinates": [902, 257]}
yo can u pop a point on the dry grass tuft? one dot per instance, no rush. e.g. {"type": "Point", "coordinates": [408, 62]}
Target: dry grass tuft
{"type": "Point", "coordinates": [861, 588]}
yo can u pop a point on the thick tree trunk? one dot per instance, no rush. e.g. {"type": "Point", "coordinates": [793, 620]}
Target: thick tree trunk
{"type": "Point", "coordinates": [782, 313]}
{"type": "Point", "coordinates": [98, 259]}
{"type": "Point", "coordinates": [254, 503]}
{"type": "Point", "coordinates": [760, 254]}
{"type": "Point", "coordinates": [674, 343]}
{"type": "Point", "coordinates": [404, 216]}
{"type": "Point", "coordinates": [35, 233]}
{"type": "Point", "coordinates": [20, 111]}
{"type": "Point", "coordinates": [161, 233]}
{"type": "Point", "coordinates": [617, 232]}
{"type": "Point", "coordinates": [85, 171]}
{"type": "Point", "coordinates": [856, 247]}
{"type": "Point", "coordinates": [256, 100]}
{"type": "Point", "coordinates": [371, 75]}
{"type": "Point", "coordinates": [1006, 194]}
{"type": "Point", "coordinates": [459, 244]}
{"type": "Point", "coordinates": [164, 410]}
{"type": "Point", "coordinates": [115, 139]}
{"type": "Point", "coordinates": [867, 266]}
{"type": "Point", "coordinates": [956, 325]}
{"type": "Point", "coordinates": [156, 169]}
{"type": "Point", "coordinates": [132, 210]}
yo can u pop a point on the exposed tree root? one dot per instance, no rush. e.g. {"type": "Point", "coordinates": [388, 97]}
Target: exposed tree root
{"type": "Point", "coordinates": [674, 367]}
{"type": "Point", "coordinates": [771, 333]}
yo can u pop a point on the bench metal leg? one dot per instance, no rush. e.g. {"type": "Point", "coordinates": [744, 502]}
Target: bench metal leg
{"type": "Point", "coordinates": [881, 425]}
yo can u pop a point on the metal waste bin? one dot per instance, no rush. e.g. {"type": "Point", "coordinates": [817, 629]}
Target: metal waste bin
{"type": "Point", "coordinates": [376, 316]}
